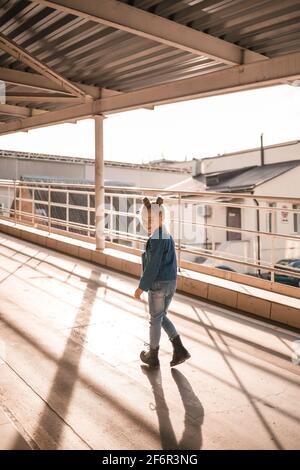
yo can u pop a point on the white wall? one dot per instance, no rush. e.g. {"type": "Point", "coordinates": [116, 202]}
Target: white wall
{"type": "Point", "coordinates": [272, 154]}
{"type": "Point", "coordinates": [13, 168]}
{"type": "Point", "coordinates": [286, 185]}
{"type": "Point", "coordinates": [230, 162]}
{"type": "Point", "coordinates": [140, 177]}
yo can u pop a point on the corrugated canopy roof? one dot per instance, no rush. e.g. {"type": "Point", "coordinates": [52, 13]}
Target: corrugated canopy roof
{"type": "Point", "coordinates": [59, 54]}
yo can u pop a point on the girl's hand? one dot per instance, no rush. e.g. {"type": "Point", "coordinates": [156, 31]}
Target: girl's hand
{"type": "Point", "coordinates": [138, 293]}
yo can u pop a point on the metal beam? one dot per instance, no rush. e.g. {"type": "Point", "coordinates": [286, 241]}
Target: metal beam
{"type": "Point", "coordinates": [246, 77]}
{"type": "Point", "coordinates": [20, 111]}
{"type": "Point", "coordinates": [39, 98]}
{"type": "Point", "coordinates": [37, 82]}
{"type": "Point", "coordinates": [12, 48]}
{"type": "Point", "coordinates": [55, 99]}
{"type": "Point", "coordinates": [156, 28]}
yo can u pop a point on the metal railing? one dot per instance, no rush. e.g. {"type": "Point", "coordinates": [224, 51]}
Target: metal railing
{"type": "Point", "coordinates": [265, 229]}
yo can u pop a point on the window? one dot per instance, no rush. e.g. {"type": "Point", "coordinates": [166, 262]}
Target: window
{"type": "Point", "coordinates": [296, 218]}
{"type": "Point", "coordinates": [271, 215]}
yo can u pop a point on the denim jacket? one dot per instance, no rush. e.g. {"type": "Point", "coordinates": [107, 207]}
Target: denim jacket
{"type": "Point", "coordinates": [159, 259]}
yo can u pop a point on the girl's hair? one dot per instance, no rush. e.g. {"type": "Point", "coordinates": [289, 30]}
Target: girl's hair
{"type": "Point", "coordinates": [155, 208]}
{"type": "Point", "coordinates": [147, 203]}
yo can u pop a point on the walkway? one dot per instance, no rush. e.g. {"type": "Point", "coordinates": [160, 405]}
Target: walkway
{"type": "Point", "coordinates": [70, 375]}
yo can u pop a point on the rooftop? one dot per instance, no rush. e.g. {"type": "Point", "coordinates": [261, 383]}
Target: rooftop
{"type": "Point", "coordinates": [89, 161]}
{"type": "Point", "coordinates": [248, 178]}
{"type": "Point", "coordinates": [243, 170]}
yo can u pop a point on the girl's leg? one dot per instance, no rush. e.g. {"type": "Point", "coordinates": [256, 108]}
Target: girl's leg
{"type": "Point", "coordinates": [156, 299]}
{"type": "Point", "coordinates": [167, 325]}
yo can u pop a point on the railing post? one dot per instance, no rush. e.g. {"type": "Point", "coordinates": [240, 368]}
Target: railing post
{"type": "Point", "coordinates": [179, 232]}
{"type": "Point", "coordinates": [272, 247]}
{"type": "Point", "coordinates": [89, 214]}
{"type": "Point", "coordinates": [15, 199]}
{"type": "Point", "coordinates": [272, 259]}
{"type": "Point", "coordinates": [111, 217]}
{"type": "Point", "coordinates": [49, 209]}
{"type": "Point", "coordinates": [213, 244]}
{"type": "Point", "coordinates": [257, 246]}
{"type": "Point", "coordinates": [33, 206]}
{"type": "Point", "coordinates": [134, 221]}
{"type": "Point", "coordinates": [67, 210]}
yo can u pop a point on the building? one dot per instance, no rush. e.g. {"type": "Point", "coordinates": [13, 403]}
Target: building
{"type": "Point", "coordinates": [221, 225]}
{"type": "Point", "coordinates": [16, 164]}
{"type": "Point", "coordinates": [270, 171]}
{"type": "Point", "coordinates": [67, 171]}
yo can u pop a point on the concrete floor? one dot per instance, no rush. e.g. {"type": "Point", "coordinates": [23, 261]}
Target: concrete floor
{"type": "Point", "coordinates": [70, 375]}
{"type": "Point", "coordinates": [10, 437]}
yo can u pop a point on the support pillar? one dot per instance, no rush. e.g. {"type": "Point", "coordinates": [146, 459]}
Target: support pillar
{"type": "Point", "coordinates": [99, 183]}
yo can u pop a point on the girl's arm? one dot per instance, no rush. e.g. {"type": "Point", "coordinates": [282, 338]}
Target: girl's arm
{"type": "Point", "coordinates": [154, 258]}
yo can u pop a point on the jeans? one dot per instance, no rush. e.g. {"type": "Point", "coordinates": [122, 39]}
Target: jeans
{"type": "Point", "coordinates": [159, 298]}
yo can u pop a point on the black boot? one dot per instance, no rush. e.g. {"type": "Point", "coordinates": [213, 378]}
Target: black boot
{"type": "Point", "coordinates": [180, 354]}
{"type": "Point", "coordinates": [150, 357]}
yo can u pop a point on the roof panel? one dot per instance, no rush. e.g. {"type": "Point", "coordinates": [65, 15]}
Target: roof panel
{"type": "Point", "coordinates": [234, 20]}
{"type": "Point", "coordinates": [252, 177]}
{"type": "Point", "coordinates": [91, 53]}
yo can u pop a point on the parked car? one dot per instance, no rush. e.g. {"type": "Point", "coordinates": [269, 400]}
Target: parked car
{"type": "Point", "coordinates": [225, 267]}
{"type": "Point", "coordinates": [200, 259]}
{"type": "Point", "coordinates": [291, 265]}
{"type": "Point", "coordinates": [204, 261]}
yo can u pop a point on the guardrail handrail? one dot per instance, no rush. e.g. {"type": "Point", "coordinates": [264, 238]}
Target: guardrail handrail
{"type": "Point", "coordinates": [33, 215]}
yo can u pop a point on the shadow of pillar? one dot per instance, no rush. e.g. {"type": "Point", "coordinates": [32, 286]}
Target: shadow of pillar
{"type": "Point", "coordinates": [52, 421]}
{"type": "Point", "coordinates": [21, 444]}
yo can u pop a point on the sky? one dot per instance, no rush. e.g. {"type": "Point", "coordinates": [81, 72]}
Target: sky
{"type": "Point", "coordinates": [192, 129]}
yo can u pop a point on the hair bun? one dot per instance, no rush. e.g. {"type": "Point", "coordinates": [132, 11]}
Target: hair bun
{"type": "Point", "coordinates": [146, 202]}
{"type": "Point", "coordinates": [159, 200]}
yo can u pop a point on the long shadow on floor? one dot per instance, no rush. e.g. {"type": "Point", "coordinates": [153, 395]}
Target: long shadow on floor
{"type": "Point", "coordinates": [194, 413]}
{"type": "Point", "coordinates": [60, 394]}
{"type": "Point", "coordinates": [230, 335]}
{"type": "Point", "coordinates": [21, 444]}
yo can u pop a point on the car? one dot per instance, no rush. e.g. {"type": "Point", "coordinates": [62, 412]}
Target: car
{"type": "Point", "coordinates": [200, 259]}
{"type": "Point", "coordinates": [226, 268]}
{"type": "Point", "coordinates": [210, 264]}
{"type": "Point", "coordinates": [291, 265]}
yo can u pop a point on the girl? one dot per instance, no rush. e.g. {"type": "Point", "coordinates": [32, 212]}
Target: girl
{"type": "Point", "coordinates": [159, 279]}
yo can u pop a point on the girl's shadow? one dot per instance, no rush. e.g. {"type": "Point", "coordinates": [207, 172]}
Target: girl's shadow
{"type": "Point", "coordinates": [194, 413]}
